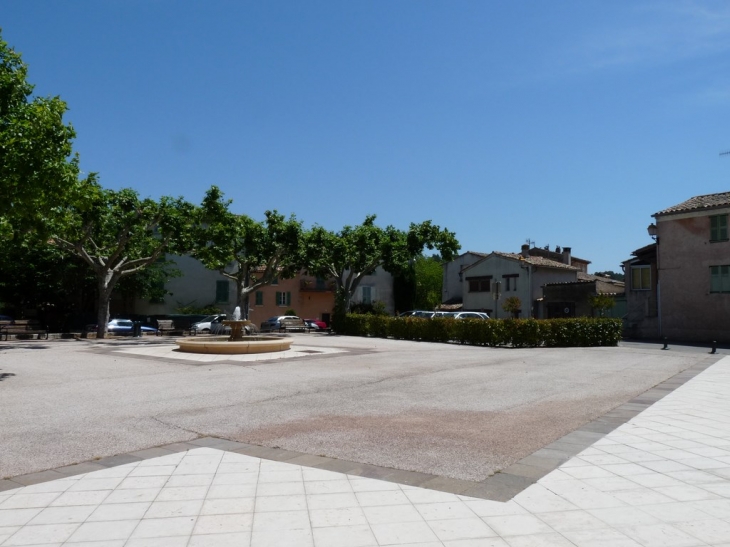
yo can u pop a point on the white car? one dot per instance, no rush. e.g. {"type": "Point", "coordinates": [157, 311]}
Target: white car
{"type": "Point", "coordinates": [470, 315]}
{"type": "Point", "coordinates": [208, 324]}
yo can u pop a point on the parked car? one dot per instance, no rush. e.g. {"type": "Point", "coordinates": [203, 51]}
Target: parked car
{"type": "Point", "coordinates": [470, 315]}
{"type": "Point", "coordinates": [124, 327]}
{"type": "Point", "coordinates": [424, 314]}
{"type": "Point", "coordinates": [315, 324]}
{"type": "Point", "coordinates": [274, 324]}
{"type": "Point", "coordinates": [205, 324]}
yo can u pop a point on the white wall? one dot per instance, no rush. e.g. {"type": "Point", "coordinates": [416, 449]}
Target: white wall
{"type": "Point", "coordinates": [381, 289]}
{"type": "Point", "coordinates": [452, 284]}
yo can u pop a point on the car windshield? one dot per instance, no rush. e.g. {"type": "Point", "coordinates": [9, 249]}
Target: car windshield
{"type": "Point", "coordinates": [123, 323]}
{"type": "Point", "coordinates": [208, 319]}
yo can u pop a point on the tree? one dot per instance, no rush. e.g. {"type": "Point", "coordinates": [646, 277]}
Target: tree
{"type": "Point", "coordinates": [513, 305]}
{"type": "Point", "coordinates": [356, 251]}
{"type": "Point", "coordinates": [36, 163]}
{"type": "Point", "coordinates": [602, 302]}
{"type": "Point", "coordinates": [251, 254]}
{"type": "Point", "coordinates": [428, 277]}
{"type": "Point", "coordinates": [118, 234]}
{"type": "Point", "coordinates": [39, 277]}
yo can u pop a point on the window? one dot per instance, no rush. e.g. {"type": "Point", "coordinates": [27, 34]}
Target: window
{"type": "Point", "coordinates": [283, 298]}
{"type": "Point", "coordinates": [479, 284]}
{"type": "Point", "coordinates": [259, 298]}
{"type": "Point", "coordinates": [320, 284]}
{"type": "Point", "coordinates": [510, 282]}
{"type": "Point", "coordinates": [221, 291]}
{"type": "Point", "coordinates": [275, 281]}
{"type": "Point", "coordinates": [641, 278]}
{"type": "Point", "coordinates": [718, 228]}
{"type": "Point", "coordinates": [367, 295]}
{"type": "Point", "coordinates": [719, 278]}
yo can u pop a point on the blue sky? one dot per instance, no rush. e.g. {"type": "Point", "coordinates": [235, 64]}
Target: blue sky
{"type": "Point", "coordinates": [566, 123]}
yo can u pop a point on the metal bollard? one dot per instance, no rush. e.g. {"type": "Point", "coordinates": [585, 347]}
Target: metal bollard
{"type": "Point", "coordinates": [665, 343]}
{"type": "Point", "coordinates": [137, 329]}
{"type": "Point", "coordinates": [714, 347]}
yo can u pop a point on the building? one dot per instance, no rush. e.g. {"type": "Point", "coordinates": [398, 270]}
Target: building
{"type": "Point", "coordinates": [573, 298]}
{"type": "Point", "coordinates": [308, 296]}
{"type": "Point", "coordinates": [692, 270]}
{"type": "Point", "coordinates": [642, 303]}
{"type": "Point", "coordinates": [453, 282]}
{"type": "Point", "coordinates": [521, 275]}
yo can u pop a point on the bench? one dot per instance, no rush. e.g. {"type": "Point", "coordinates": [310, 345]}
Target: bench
{"type": "Point", "coordinates": [167, 326]}
{"type": "Point", "coordinates": [292, 325]}
{"type": "Point", "coordinates": [22, 327]}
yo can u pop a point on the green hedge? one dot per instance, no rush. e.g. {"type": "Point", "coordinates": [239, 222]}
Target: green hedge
{"type": "Point", "coordinates": [518, 333]}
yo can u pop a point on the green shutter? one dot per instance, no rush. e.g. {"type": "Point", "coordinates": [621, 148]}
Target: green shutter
{"type": "Point", "coordinates": [288, 298]}
{"type": "Point", "coordinates": [278, 298]}
{"type": "Point", "coordinates": [221, 291]}
{"type": "Point", "coordinates": [259, 298]}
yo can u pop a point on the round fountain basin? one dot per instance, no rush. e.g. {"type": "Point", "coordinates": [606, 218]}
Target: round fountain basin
{"type": "Point", "coordinates": [221, 345]}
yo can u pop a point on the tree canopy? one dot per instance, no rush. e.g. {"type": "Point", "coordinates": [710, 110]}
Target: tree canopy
{"type": "Point", "coordinates": [37, 166]}
{"type": "Point", "coordinates": [248, 252]}
{"type": "Point", "coordinates": [119, 234]}
{"type": "Point", "coordinates": [357, 251]}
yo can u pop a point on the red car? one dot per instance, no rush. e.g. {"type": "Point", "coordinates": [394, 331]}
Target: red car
{"type": "Point", "coordinates": [315, 324]}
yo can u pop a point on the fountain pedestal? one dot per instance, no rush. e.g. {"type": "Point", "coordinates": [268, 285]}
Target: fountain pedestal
{"type": "Point", "coordinates": [237, 326]}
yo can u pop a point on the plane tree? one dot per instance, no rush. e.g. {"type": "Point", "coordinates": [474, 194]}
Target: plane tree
{"type": "Point", "coordinates": [119, 234]}
{"type": "Point", "coordinates": [356, 251]}
{"type": "Point", "coordinates": [248, 252]}
{"type": "Point", "coordinates": [37, 164]}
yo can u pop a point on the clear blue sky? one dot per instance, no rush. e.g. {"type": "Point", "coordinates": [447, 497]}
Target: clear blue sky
{"type": "Point", "coordinates": [568, 123]}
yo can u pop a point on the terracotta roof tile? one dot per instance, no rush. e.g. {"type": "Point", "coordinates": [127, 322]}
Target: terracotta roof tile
{"type": "Point", "coordinates": [699, 202]}
{"type": "Point", "coordinates": [536, 261]}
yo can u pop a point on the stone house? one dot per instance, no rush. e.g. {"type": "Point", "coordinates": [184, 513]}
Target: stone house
{"type": "Point", "coordinates": [692, 269]}
{"type": "Point", "coordinates": [521, 275]}
{"type": "Point", "coordinates": [642, 303]}
{"type": "Point", "coordinates": [573, 298]}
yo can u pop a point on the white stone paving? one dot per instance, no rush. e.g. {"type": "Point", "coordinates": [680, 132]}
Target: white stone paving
{"type": "Point", "coordinates": [661, 480]}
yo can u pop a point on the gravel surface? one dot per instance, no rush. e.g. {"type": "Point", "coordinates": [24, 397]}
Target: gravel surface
{"type": "Point", "coordinates": [457, 411]}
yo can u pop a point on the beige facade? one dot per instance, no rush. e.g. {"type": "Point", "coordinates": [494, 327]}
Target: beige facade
{"type": "Point", "coordinates": [519, 275]}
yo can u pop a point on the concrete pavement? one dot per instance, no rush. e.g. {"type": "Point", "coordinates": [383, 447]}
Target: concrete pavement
{"type": "Point", "coordinates": [660, 479]}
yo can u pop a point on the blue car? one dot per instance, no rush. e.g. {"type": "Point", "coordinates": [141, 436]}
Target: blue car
{"type": "Point", "coordinates": [124, 326]}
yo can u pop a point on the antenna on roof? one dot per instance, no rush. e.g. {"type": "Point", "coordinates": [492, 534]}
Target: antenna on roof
{"type": "Point", "coordinates": [530, 242]}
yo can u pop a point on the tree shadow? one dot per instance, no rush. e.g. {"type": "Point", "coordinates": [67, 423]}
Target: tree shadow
{"type": "Point", "coordinates": [4, 375]}
{"type": "Point", "coordinates": [16, 345]}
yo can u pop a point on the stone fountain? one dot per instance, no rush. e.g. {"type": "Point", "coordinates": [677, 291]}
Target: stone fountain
{"type": "Point", "coordinates": [239, 342]}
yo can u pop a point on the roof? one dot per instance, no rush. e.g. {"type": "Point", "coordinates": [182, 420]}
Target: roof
{"type": "Point", "coordinates": [708, 201]}
{"type": "Point", "coordinates": [590, 278]}
{"type": "Point", "coordinates": [532, 260]}
{"type": "Point", "coordinates": [554, 255]}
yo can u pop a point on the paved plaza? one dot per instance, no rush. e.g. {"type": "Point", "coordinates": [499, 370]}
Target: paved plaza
{"type": "Point", "coordinates": [648, 465]}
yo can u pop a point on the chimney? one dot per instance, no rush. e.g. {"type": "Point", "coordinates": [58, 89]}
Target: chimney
{"type": "Point", "coordinates": [566, 255]}
{"type": "Point", "coordinates": [525, 251]}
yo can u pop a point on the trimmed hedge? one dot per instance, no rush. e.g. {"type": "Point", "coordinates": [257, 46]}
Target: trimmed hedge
{"type": "Point", "coordinates": [518, 333]}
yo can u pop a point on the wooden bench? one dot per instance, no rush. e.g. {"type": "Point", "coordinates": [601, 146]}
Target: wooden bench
{"type": "Point", "coordinates": [292, 325]}
{"type": "Point", "coordinates": [22, 327]}
{"type": "Point", "coordinates": [167, 326]}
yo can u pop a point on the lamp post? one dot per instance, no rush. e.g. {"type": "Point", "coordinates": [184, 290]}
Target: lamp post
{"type": "Point", "coordinates": [652, 230]}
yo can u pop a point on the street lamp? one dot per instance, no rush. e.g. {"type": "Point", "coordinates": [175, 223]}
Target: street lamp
{"type": "Point", "coordinates": [652, 231]}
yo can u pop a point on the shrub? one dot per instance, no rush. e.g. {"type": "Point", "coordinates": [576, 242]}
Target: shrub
{"type": "Point", "coordinates": [518, 333]}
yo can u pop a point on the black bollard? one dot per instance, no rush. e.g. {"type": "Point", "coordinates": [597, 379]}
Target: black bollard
{"type": "Point", "coordinates": [665, 343]}
{"type": "Point", "coordinates": [714, 347]}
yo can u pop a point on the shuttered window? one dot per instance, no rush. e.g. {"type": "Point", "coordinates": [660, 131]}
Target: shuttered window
{"type": "Point", "coordinates": [718, 228]}
{"type": "Point", "coordinates": [221, 291]}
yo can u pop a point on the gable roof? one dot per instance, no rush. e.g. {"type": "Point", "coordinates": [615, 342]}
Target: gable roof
{"type": "Point", "coordinates": [532, 260]}
{"type": "Point", "coordinates": [708, 201]}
